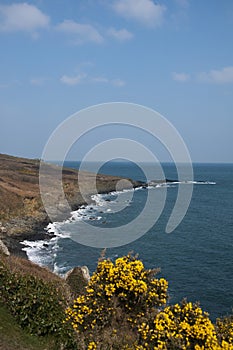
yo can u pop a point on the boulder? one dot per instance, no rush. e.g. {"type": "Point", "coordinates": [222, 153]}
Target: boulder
{"type": "Point", "coordinates": [3, 248]}
{"type": "Point", "coordinates": [2, 228]}
{"type": "Point", "coordinates": [78, 278]}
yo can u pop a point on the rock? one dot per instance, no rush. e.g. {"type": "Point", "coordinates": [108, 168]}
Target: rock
{"type": "Point", "coordinates": [2, 228]}
{"type": "Point", "coordinates": [78, 278]}
{"type": "Point", "coordinates": [86, 273]}
{"type": "Point", "coordinates": [13, 246]}
{"type": "Point", "coordinates": [3, 248]}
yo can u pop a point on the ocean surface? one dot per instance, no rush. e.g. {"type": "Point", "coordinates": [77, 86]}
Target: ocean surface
{"type": "Point", "coordinates": [196, 258]}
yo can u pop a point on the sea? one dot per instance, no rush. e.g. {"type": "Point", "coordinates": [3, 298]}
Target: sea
{"type": "Point", "coordinates": [196, 258]}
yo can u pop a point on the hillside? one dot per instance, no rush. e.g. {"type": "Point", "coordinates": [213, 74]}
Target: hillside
{"type": "Point", "coordinates": [22, 212]}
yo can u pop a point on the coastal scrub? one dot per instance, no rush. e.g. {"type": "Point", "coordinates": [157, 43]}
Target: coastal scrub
{"type": "Point", "coordinates": [38, 305]}
{"type": "Point", "coordinates": [119, 293]}
{"type": "Point", "coordinates": [125, 307]}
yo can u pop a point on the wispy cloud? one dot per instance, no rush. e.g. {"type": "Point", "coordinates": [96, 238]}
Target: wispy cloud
{"type": "Point", "coordinates": [121, 34]}
{"type": "Point", "coordinates": [221, 76]}
{"type": "Point", "coordinates": [73, 80]}
{"type": "Point", "coordinates": [81, 33]}
{"type": "Point", "coordinates": [118, 82]}
{"type": "Point", "coordinates": [181, 77]}
{"type": "Point", "coordinates": [114, 82]}
{"type": "Point", "coordinates": [40, 81]}
{"type": "Point", "coordinates": [99, 80]}
{"type": "Point", "coordinates": [83, 78]}
{"type": "Point", "coordinates": [10, 84]}
{"type": "Point", "coordinates": [22, 17]}
{"type": "Point", "coordinates": [144, 11]}
{"type": "Point", "coordinates": [217, 76]}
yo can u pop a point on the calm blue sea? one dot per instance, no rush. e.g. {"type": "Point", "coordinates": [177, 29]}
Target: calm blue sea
{"type": "Point", "coordinates": [196, 258]}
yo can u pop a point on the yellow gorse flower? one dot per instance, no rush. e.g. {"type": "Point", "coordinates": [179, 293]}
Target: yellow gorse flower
{"type": "Point", "coordinates": [92, 346]}
{"type": "Point", "coordinates": [124, 282]}
{"type": "Point", "coordinates": [126, 288]}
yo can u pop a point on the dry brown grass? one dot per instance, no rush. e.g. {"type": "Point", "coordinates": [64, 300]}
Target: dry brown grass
{"type": "Point", "coordinates": [20, 192]}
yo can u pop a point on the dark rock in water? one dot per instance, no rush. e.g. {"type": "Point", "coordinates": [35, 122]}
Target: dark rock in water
{"type": "Point", "coordinates": [14, 246]}
{"type": "Point", "coordinates": [169, 180]}
{"type": "Point", "coordinates": [92, 218]}
{"type": "Point", "coordinates": [78, 279]}
{"type": "Point", "coordinates": [159, 182]}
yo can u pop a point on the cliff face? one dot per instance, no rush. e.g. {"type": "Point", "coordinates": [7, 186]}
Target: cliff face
{"type": "Point", "coordinates": [19, 189]}
{"type": "Point", "coordinates": [21, 207]}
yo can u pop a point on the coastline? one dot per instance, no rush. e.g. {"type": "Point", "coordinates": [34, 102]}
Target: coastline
{"type": "Point", "coordinates": [31, 230]}
{"type": "Point", "coordinates": [23, 216]}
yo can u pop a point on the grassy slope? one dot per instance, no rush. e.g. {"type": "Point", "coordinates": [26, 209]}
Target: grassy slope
{"type": "Point", "coordinates": [12, 337]}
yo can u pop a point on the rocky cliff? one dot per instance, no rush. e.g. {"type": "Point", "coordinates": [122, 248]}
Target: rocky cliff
{"type": "Point", "coordinates": [22, 213]}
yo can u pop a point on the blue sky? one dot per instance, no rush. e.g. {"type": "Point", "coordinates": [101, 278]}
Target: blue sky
{"type": "Point", "coordinates": [175, 56]}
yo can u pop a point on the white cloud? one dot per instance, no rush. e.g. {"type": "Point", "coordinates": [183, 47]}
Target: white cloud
{"type": "Point", "coordinates": [84, 78]}
{"type": "Point", "coordinates": [222, 76]}
{"type": "Point", "coordinates": [121, 34]}
{"type": "Point", "coordinates": [181, 77]}
{"type": "Point", "coordinates": [38, 81]}
{"type": "Point", "coordinates": [118, 82]}
{"type": "Point", "coordinates": [144, 11]}
{"type": "Point", "coordinates": [22, 17]}
{"type": "Point", "coordinates": [73, 80]}
{"type": "Point", "coordinates": [10, 84]}
{"type": "Point", "coordinates": [81, 32]}
{"type": "Point", "coordinates": [100, 80]}
{"type": "Point", "coordinates": [115, 82]}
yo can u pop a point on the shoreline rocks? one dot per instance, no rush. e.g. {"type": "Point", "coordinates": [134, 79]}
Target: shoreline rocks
{"type": "Point", "coordinates": [3, 248]}
{"type": "Point", "coordinates": [23, 216]}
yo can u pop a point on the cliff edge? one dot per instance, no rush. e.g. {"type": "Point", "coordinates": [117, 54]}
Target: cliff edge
{"type": "Point", "coordinates": [22, 213]}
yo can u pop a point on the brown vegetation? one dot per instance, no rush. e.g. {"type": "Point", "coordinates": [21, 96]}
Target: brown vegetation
{"type": "Point", "coordinates": [22, 213]}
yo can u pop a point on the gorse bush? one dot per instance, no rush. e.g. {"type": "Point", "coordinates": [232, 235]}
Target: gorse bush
{"type": "Point", "coordinates": [37, 305]}
{"type": "Point", "coordinates": [118, 293]}
{"type": "Point", "coordinates": [124, 307]}
{"type": "Point", "coordinates": [224, 328]}
{"type": "Point", "coordinates": [182, 326]}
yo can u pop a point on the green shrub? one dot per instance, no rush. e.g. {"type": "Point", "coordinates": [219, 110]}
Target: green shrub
{"type": "Point", "coordinates": [123, 307]}
{"type": "Point", "coordinates": [37, 305]}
